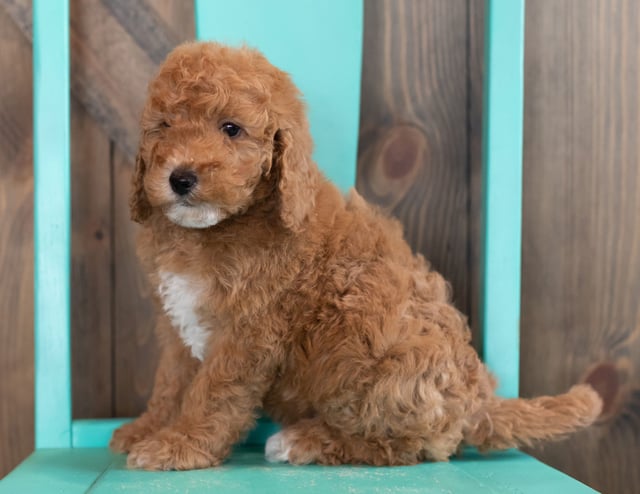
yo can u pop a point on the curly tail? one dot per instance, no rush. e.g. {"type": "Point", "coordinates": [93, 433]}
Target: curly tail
{"type": "Point", "coordinates": [511, 423]}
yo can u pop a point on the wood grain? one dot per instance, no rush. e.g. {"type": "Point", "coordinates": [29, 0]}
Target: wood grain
{"type": "Point", "coordinates": [178, 15]}
{"type": "Point", "coordinates": [134, 315]}
{"type": "Point", "coordinates": [135, 346]}
{"type": "Point", "coordinates": [16, 248]}
{"type": "Point", "coordinates": [110, 71]}
{"type": "Point", "coordinates": [91, 267]}
{"type": "Point", "coordinates": [475, 64]}
{"type": "Point", "coordinates": [103, 56]}
{"type": "Point", "coordinates": [581, 253]}
{"type": "Point", "coordinates": [147, 26]}
{"type": "Point", "coordinates": [412, 158]}
{"type": "Point", "coordinates": [111, 59]}
{"type": "Point", "coordinates": [112, 78]}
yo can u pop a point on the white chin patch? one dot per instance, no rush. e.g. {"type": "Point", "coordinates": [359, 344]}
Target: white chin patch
{"type": "Point", "coordinates": [200, 216]}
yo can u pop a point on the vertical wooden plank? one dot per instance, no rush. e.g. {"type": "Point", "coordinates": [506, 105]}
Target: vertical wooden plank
{"type": "Point", "coordinates": [91, 266]}
{"type": "Point", "coordinates": [475, 62]}
{"type": "Point", "coordinates": [135, 351]}
{"type": "Point", "coordinates": [135, 347]}
{"type": "Point", "coordinates": [94, 31]}
{"type": "Point", "coordinates": [581, 251]}
{"type": "Point", "coordinates": [16, 246]}
{"type": "Point", "coordinates": [413, 127]}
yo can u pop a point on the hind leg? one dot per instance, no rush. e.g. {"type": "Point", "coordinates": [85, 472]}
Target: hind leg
{"type": "Point", "coordinates": [313, 441]}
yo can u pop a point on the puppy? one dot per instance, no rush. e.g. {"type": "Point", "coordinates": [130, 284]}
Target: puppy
{"type": "Point", "coordinates": [278, 294]}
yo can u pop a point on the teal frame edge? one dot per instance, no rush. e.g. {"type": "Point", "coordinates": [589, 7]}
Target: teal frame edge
{"type": "Point", "coordinates": [320, 44]}
{"type": "Point", "coordinates": [52, 223]}
{"type": "Point", "coordinates": [502, 182]}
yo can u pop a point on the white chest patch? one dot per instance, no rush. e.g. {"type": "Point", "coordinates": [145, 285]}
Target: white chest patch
{"type": "Point", "coordinates": [180, 298]}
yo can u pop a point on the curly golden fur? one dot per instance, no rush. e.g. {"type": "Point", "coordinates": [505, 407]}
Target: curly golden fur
{"type": "Point", "coordinates": [276, 293]}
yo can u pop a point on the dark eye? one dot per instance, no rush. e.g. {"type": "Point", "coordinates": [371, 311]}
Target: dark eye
{"type": "Point", "coordinates": [231, 129]}
{"type": "Point", "coordinates": [164, 124]}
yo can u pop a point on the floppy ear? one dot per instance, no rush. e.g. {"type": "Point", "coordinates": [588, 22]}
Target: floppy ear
{"type": "Point", "coordinates": [139, 206]}
{"type": "Point", "coordinates": [298, 175]}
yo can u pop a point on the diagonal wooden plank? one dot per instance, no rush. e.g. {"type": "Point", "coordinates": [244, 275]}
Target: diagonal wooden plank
{"type": "Point", "coordinates": [105, 61]}
{"type": "Point", "coordinates": [21, 13]}
{"type": "Point", "coordinates": [137, 38]}
{"type": "Point", "coordinates": [145, 26]}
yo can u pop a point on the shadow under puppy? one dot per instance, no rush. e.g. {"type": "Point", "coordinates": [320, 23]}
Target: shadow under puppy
{"type": "Point", "coordinates": [277, 293]}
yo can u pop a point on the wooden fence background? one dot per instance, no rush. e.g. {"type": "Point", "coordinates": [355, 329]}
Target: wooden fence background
{"type": "Point", "coordinates": [419, 157]}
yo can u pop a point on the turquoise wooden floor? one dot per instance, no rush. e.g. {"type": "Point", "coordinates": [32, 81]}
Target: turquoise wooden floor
{"type": "Point", "coordinates": [70, 471]}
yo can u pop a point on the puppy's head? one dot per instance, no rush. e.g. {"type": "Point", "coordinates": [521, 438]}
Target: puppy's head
{"type": "Point", "coordinates": [221, 130]}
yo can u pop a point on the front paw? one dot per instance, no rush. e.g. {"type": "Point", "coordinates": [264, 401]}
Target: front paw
{"type": "Point", "coordinates": [129, 434]}
{"type": "Point", "coordinates": [170, 450]}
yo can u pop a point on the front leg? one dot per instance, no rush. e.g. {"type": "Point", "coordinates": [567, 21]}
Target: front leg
{"type": "Point", "coordinates": [176, 369]}
{"type": "Point", "coordinates": [219, 407]}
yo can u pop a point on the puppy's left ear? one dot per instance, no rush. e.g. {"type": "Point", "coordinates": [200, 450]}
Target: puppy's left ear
{"type": "Point", "coordinates": [298, 174]}
{"type": "Point", "coordinates": [139, 205]}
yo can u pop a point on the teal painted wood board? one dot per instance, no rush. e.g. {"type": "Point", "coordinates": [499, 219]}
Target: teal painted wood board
{"type": "Point", "coordinates": [98, 471]}
{"type": "Point", "coordinates": [52, 223]}
{"type": "Point", "coordinates": [502, 195]}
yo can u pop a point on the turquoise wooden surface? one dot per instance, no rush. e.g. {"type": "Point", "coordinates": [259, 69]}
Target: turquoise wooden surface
{"type": "Point", "coordinates": [502, 175]}
{"type": "Point", "coordinates": [320, 44]}
{"type": "Point", "coordinates": [98, 471]}
{"type": "Point", "coordinates": [52, 223]}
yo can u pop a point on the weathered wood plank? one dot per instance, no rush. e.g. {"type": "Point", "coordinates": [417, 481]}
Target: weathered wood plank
{"type": "Point", "coordinates": [474, 139]}
{"type": "Point", "coordinates": [134, 341]}
{"type": "Point", "coordinates": [112, 78]}
{"type": "Point", "coordinates": [413, 139]}
{"type": "Point", "coordinates": [134, 315]}
{"type": "Point", "coordinates": [147, 26]}
{"type": "Point", "coordinates": [91, 267]}
{"type": "Point", "coordinates": [16, 248]}
{"type": "Point", "coordinates": [177, 14]}
{"type": "Point", "coordinates": [581, 249]}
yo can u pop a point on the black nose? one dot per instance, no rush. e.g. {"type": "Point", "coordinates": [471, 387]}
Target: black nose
{"type": "Point", "coordinates": [182, 181]}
